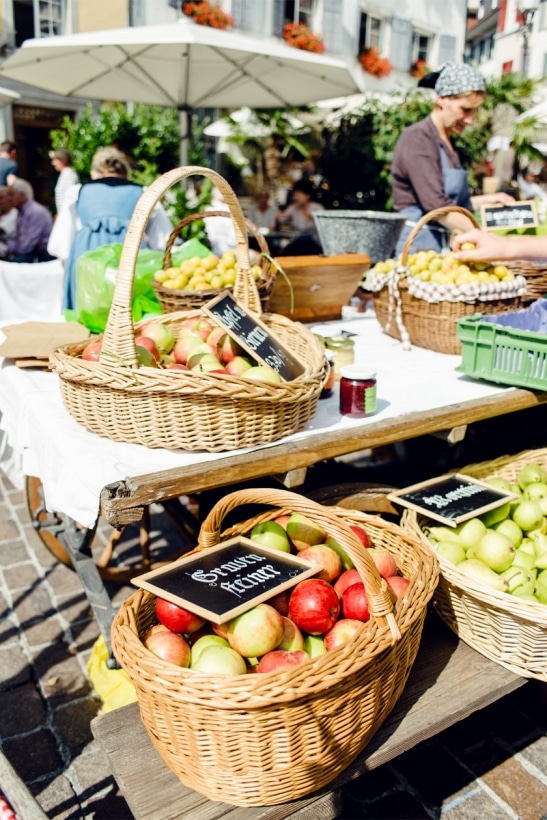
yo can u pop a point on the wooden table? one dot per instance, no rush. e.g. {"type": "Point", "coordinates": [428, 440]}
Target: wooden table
{"type": "Point", "coordinates": [448, 682]}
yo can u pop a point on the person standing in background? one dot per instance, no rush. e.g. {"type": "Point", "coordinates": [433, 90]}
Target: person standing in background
{"type": "Point", "coordinates": [261, 213]}
{"type": "Point", "coordinates": [8, 219]}
{"type": "Point", "coordinates": [33, 226]}
{"type": "Point", "coordinates": [61, 159]}
{"type": "Point", "coordinates": [426, 169]}
{"type": "Point", "coordinates": [8, 166]}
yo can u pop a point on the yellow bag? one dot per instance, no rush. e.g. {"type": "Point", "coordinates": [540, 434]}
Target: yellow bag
{"type": "Point", "coordinates": [112, 685]}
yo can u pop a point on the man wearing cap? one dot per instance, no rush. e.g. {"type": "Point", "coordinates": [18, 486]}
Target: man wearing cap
{"type": "Point", "coordinates": [426, 169]}
{"type": "Point", "coordinates": [61, 160]}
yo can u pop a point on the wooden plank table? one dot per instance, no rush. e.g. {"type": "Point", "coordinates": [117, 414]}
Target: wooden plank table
{"type": "Point", "coordinates": [448, 682]}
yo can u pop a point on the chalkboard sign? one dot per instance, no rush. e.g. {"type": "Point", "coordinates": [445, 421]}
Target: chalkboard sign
{"type": "Point", "coordinates": [253, 335]}
{"type": "Point", "coordinates": [517, 215]}
{"type": "Point", "coordinates": [223, 581]}
{"type": "Point", "coordinates": [452, 499]}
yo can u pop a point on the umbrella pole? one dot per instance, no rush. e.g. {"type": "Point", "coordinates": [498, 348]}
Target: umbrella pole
{"type": "Point", "coordinates": [185, 128]}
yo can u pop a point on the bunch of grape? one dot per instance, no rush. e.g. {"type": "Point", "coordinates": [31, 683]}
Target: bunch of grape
{"type": "Point", "coordinates": [445, 269]}
{"type": "Point", "coordinates": [204, 273]}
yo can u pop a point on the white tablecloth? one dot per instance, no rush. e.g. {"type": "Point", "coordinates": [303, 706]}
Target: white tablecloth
{"type": "Point", "coordinates": [31, 292]}
{"type": "Point", "coordinates": [41, 438]}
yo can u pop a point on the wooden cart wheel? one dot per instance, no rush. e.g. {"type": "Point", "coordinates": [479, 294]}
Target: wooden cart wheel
{"type": "Point", "coordinates": [49, 525]}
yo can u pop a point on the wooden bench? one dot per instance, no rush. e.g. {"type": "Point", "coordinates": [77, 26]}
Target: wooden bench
{"type": "Point", "coordinates": [448, 682]}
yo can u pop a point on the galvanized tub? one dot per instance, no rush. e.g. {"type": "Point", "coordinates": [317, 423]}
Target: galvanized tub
{"type": "Point", "coordinates": [372, 232]}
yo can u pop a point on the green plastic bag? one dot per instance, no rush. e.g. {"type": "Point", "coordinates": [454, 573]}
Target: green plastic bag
{"type": "Point", "coordinates": [96, 278]}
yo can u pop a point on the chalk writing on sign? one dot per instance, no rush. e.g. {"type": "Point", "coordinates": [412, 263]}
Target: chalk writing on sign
{"type": "Point", "coordinates": [223, 581]}
{"type": "Point", "coordinates": [452, 499]}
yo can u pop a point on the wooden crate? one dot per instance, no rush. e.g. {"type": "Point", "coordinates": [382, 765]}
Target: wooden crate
{"type": "Point", "coordinates": [321, 285]}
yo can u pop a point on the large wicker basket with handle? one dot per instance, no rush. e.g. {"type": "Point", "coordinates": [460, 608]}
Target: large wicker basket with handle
{"type": "Point", "coordinates": [117, 398]}
{"type": "Point", "coordinates": [426, 315]}
{"type": "Point", "coordinates": [172, 299]}
{"type": "Point", "coordinates": [510, 631]}
{"type": "Point", "coordinates": [262, 739]}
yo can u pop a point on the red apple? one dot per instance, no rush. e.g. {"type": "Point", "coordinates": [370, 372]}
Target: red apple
{"type": "Point", "coordinates": [279, 659]}
{"type": "Point", "coordinates": [384, 560]}
{"type": "Point", "coordinates": [349, 577]}
{"type": "Point", "coordinates": [221, 629]}
{"type": "Point", "coordinates": [183, 346]}
{"type": "Point", "coordinates": [238, 366]}
{"type": "Point", "coordinates": [281, 601]}
{"type": "Point", "coordinates": [255, 632]}
{"type": "Point", "coordinates": [361, 534]}
{"type": "Point", "coordinates": [149, 344]}
{"type": "Point", "coordinates": [161, 335]}
{"type": "Point", "coordinates": [354, 603]}
{"type": "Point", "coordinates": [169, 646]}
{"type": "Point", "coordinates": [397, 586]}
{"type": "Point", "coordinates": [292, 639]}
{"type": "Point", "coordinates": [322, 556]}
{"type": "Point", "coordinates": [92, 351]}
{"type": "Point", "coordinates": [282, 520]}
{"type": "Point", "coordinates": [228, 348]}
{"type": "Point", "coordinates": [199, 325]}
{"type": "Point", "coordinates": [201, 349]}
{"type": "Point", "coordinates": [176, 366]}
{"type": "Point", "coordinates": [152, 629]}
{"type": "Point", "coordinates": [177, 618]}
{"type": "Point", "coordinates": [342, 631]}
{"type": "Point", "coordinates": [145, 357]}
{"type": "Point", "coordinates": [215, 336]}
{"type": "Point", "coordinates": [314, 606]}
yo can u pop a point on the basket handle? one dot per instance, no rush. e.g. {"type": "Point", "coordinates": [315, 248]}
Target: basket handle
{"type": "Point", "coordinates": [428, 217]}
{"type": "Point", "coordinates": [262, 244]}
{"type": "Point", "coordinates": [378, 595]}
{"type": "Point", "coordinates": [118, 348]}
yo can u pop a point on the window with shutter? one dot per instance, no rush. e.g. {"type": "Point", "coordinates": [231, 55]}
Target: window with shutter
{"type": "Point", "coordinates": [242, 14]}
{"type": "Point", "coordinates": [447, 48]}
{"type": "Point", "coordinates": [278, 17]}
{"type": "Point", "coordinates": [332, 25]}
{"type": "Point", "coordinates": [401, 43]}
{"type": "Point", "coordinates": [370, 32]}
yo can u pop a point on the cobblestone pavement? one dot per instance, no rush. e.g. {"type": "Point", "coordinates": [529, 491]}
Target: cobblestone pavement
{"type": "Point", "coordinates": [492, 765]}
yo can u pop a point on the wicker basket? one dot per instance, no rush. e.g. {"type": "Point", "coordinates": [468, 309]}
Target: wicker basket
{"type": "Point", "coordinates": [173, 300]}
{"type": "Point", "coordinates": [432, 325]}
{"type": "Point", "coordinates": [535, 274]}
{"type": "Point", "coordinates": [509, 631]}
{"type": "Point", "coordinates": [117, 398]}
{"type": "Point", "coordinates": [266, 739]}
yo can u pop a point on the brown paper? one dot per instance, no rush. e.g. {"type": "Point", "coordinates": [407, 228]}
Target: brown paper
{"type": "Point", "coordinates": [36, 340]}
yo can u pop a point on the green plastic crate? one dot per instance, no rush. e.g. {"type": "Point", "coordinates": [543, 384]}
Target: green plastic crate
{"type": "Point", "coordinates": [502, 354]}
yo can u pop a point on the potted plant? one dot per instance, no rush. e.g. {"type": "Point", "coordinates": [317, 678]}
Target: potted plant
{"type": "Point", "coordinates": [372, 63]}
{"type": "Point", "coordinates": [204, 14]}
{"type": "Point", "coordinates": [298, 35]}
{"type": "Point", "coordinates": [419, 69]}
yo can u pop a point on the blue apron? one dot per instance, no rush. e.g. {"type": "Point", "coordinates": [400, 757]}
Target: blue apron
{"type": "Point", "coordinates": [433, 236]}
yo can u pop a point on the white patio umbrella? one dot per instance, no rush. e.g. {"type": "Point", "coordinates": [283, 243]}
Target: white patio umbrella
{"type": "Point", "coordinates": [8, 97]}
{"type": "Point", "coordinates": [183, 65]}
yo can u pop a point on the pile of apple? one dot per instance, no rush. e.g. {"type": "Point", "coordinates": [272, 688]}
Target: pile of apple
{"type": "Point", "coordinates": [505, 548]}
{"type": "Point", "coordinates": [199, 345]}
{"type": "Point", "coordinates": [204, 273]}
{"type": "Point", "coordinates": [316, 616]}
{"type": "Point", "coordinates": [445, 269]}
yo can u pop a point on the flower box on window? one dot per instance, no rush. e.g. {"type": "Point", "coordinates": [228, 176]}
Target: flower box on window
{"type": "Point", "coordinates": [372, 63]}
{"type": "Point", "coordinates": [298, 35]}
{"type": "Point", "coordinates": [206, 15]}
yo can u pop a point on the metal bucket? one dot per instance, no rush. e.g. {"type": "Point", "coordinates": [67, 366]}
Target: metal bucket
{"type": "Point", "coordinates": [372, 232]}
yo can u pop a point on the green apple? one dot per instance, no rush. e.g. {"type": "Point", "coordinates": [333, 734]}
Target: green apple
{"type": "Point", "coordinates": [347, 563]}
{"type": "Point", "coordinates": [314, 645]}
{"type": "Point", "coordinates": [511, 529]}
{"type": "Point", "coordinates": [499, 481]}
{"type": "Point", "coordinates": [528, 516]}
{"type": "Point", "coordinates": [470, 532]}
{"type": "Point", "coordinates": [476, 570]}
{"type": "Point", "coordinates": [496, 515]}
{"type": "Point", "coordinates": [495, 550]}
{"type": "Point", "coordinates": [531, 474]}
{"type": "Point", "coordinates": [524, 559]}
{"type": "Point", "coordinates": [272, 535]}
{"type": "Point", "coordinates": [518, 578]}
{"type": "Point", "coordinates": [526, 596]}
{"type": "Point", "coordinates": [202, 643]}
{"type": "Point", "coordinates": [444, 534]}
{"type": "Point", "coordinates": [303, 532]}
{"type": "Point", "coordinates": [453, 552]}
{"type": "Point", "coordinates": [220, 660]}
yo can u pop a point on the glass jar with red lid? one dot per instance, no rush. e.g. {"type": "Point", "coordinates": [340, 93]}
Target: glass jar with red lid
{"type": "Point", "coordinates": [357, 391]}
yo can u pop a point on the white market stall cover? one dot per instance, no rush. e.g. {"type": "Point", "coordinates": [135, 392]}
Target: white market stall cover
{"type": "Point", "coordinates": [183, 65]}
